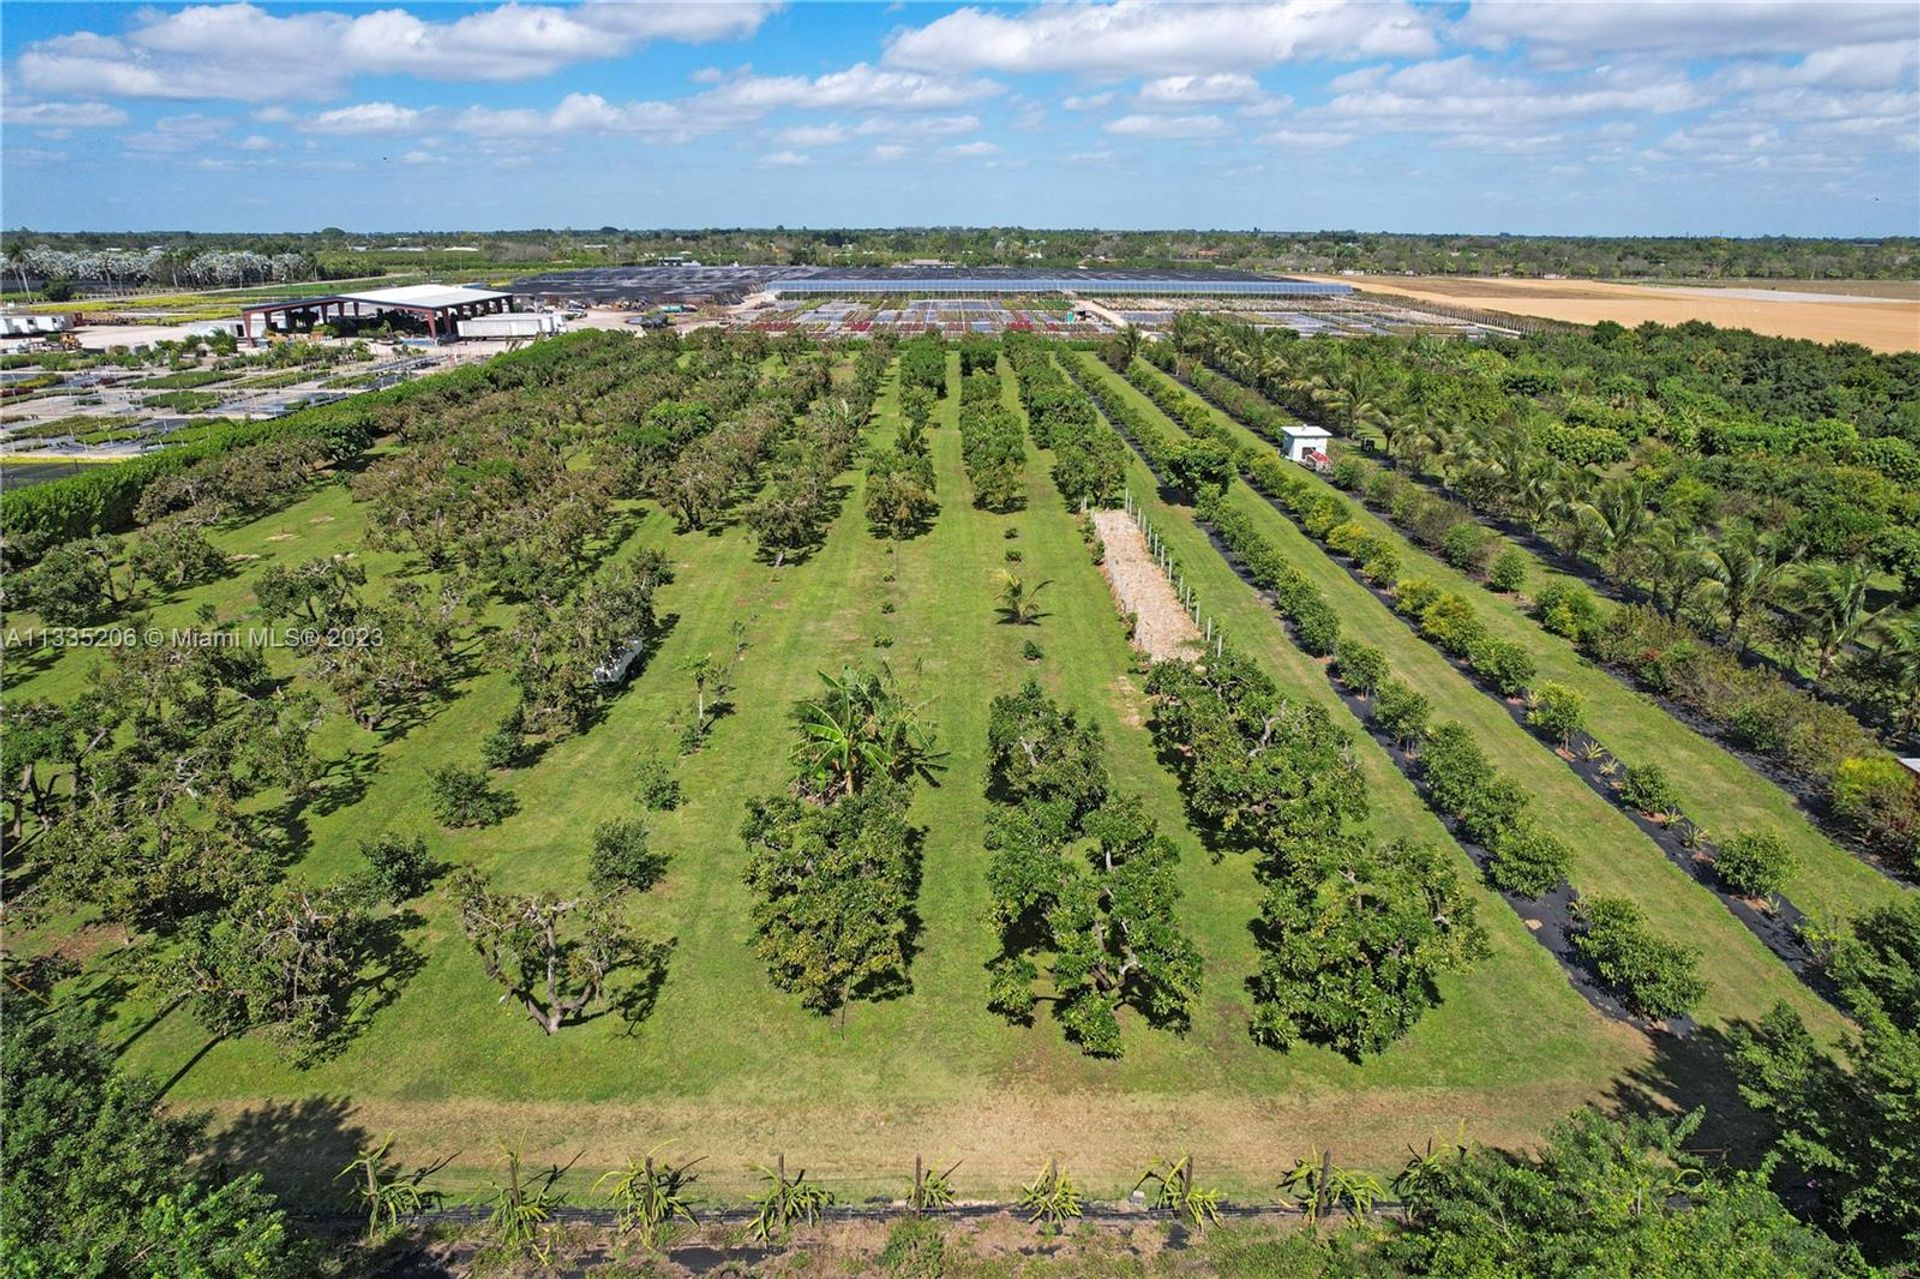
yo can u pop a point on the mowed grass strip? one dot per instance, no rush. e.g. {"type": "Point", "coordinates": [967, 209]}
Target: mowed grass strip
{"type": "Point", "coordinates": [1611, 856]}
{"type": "Point", "coordinates": [1717, 788]}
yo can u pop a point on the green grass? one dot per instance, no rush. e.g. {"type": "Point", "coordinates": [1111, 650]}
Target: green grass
{"type": "Point", "coordinates": [732, 1069]}
{"type": "Point", "coordinates": [1611, 856]}
{"type": "Point", "coordinates": [1716, 787]}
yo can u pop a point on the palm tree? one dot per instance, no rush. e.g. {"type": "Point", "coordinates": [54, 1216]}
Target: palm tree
{"type": "Point", "coordinates": [1129, 338]}
{"type": "Point", "coordinates": [1019, 603]}
{"type": "Point", "coordinates": [1832, 600]}
{"type": "Point", "coordinates": [1745, 573]}
{"type": "Point", "coordinates": [1899, 653]}
{"type": "Point", "coordinates": [1189, 333]}
{"type": "Point", "coordinates": [1676, 564]}
{"type": "Point", "coordinates": [1353, 394]}
{"type": "Point", "coordinates": [1614, 519]}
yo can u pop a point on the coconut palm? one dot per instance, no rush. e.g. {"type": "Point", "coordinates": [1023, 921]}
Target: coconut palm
{"type": "Point", "coordinates": [1832, 600]}
{"type": "Point", "coordinates": [1745, 574]}
{"type": "Point", "coordinates": [1354, 395]}
{"type": "Point", "coordinates": [1899, 653]}
{"type": "Point", "coordinates": [1676, 564]}
{"type": "Point", "coordinates": [1019, 603]}
{"type": "Point", "coordinates": [1613, 520]}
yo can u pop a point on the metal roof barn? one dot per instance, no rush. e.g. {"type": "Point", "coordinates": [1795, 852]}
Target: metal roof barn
{"type": "Point", "coordinates": [442, 306]}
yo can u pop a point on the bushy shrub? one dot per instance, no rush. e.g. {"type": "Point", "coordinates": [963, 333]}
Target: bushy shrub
{"type": "Point", "coordinates": [1361, 667]}
{"type": "Point", "coordinates": [1402, 712]}
{"type": "Point", "coordinates": [507, 743]}
{"type": "Point", "coordinates": [1345, 539]}
{"type": "Point", "coordinates": [1877, 796]}
{"type": "Point", "coordinates": [1385, 488]}
{"type": "Point", "coordinates": [1652, 976]}
{"type": "Point", "coordinates": [1558, 711]}
{"type": "Point", "coordinates": [1451, 622]}
{"type": "Point", "coordinates": [1509, 570]}
{"type": "Point", "coordinates": [1504, 664]}
{"type": "Point", "coordinates": [1466, 546]}
{"type": "Point", "coordinates": [1380, 564]}
{"type": "Point", "coordinates": [1568, 609]}
{"type": "Point", "coordinates": [1412, 595]}
{"type": "Point", "coordinates": [1757, 863]}
{"type": "Point", "coordinates": [621, 857]}
{"type": "Point", "coordinates": [399, 868]}
{"type": "Point", "coordinates": [1465, 785]}
{"type": "Point", "coordinates": [1527, 860]}
{"type": "Point", "coordinates": [1352, 472]}
{"type": "Point", "coordinates": [1647, 789]}
{"type": "Point", "coordinates": [658, 789]}
{"type": "Point", "coordinates": [1316, 626]}
{"type": "Point", "coordinates": [1323, 513]}
{"type": "Point", "coordinates": [466, 797]}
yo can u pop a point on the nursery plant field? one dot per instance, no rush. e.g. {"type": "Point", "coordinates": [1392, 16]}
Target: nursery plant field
{"type": "Point", "coordinates": [915, 561]}
{"type": "Point", "coordinates": [725, 1064]}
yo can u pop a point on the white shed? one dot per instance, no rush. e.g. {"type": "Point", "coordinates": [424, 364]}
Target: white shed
{"type": "Point", "coordinates": [1305, 444]}
{"type": "Point", "coordinates": [511, 324]}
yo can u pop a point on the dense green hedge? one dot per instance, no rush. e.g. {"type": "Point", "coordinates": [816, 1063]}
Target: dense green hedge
{"type": "Point", "coordinates": [104, 497]}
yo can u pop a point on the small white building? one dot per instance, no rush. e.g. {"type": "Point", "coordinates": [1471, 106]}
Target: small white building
{"type": "Point", "coordinates": [511, 324]}
{"type": "Point", "coordinates": [1305, 444]}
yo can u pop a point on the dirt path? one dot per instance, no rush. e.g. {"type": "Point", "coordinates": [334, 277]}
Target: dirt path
{"type": "Point", "coordinates": [1140, 587]}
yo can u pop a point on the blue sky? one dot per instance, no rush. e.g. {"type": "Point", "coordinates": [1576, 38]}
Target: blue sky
{"type": "Point", "coordinates": [1719, 117]}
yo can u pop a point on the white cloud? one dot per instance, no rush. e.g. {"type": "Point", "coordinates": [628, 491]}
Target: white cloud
{"type": "Point", "coordinates": [1200, 90]}
{"type": "Point", "coordinates": [1168, 126]}
{"type": "Point", "coordinates": [246, 52]}
{"type": "Point", "coordinates": [1306, 139]}
{"type": "Point", "coordinates": [925, 126]}
{"type": "Point", "coordinates": [786, 160]}
{"type": "Point", "coordinates": [174, 134]}
{"type": "Point", "coordinates": [708, 75]}
{"type": "Point", "coordinates": [1131, 38]}
{"type": "Point", "coordinates": [860, 87]}
{"type": "Point", "coordinates": [890, 151]}
{"type": "Point", "coordinates": [1576, 35]}
{"type": "Point", "coordinates": [366, 118]}
{"type": "Point", "coordinates": [422, 157]}
{"type": "Point", "coordinates": [1463, 95]}
{"type": "Point", "coordinates": [61, 115]}
{"type": "Point", "coordinates": [257, 143]}
{"type": "Point", "coordinates": [33, 156]}
{"type": "Point", "coordinates": [273, 115]}
{"type": "Point", "coordinates": [812, 135]}
{"type": "Point", "coordinates": [1266, 108]}
{"type": "Point", "coordinates": [1888, 64]}
{"type": "Point", "coordinates": [1087, 101]}
{"type": "Point", "coordinates": [970, 150]}
{"type": "Point", "coordinates": [741, 101]}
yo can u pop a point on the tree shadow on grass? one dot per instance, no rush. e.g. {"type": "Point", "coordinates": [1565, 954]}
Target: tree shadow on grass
{"type": "Point", "coordinates": [634, 1004]}
{"type": "Point", "coordinates": [298, 1148]}
{"type": "Point", "coordinates": [342, 783]}
{"type": "Point", "coordinates": [1690, 1073]}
